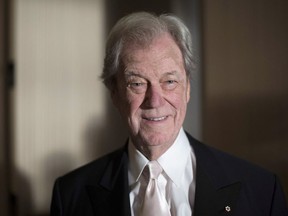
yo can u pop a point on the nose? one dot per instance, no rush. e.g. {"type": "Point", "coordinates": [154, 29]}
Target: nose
{"type": "Point", "coordinates": [153, 97]}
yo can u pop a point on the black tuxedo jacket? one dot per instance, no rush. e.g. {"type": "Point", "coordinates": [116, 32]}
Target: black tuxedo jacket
{"type": "Point", "coordinates": [225, 185]}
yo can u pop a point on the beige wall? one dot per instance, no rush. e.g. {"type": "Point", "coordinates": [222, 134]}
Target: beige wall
{"type": "Point", "coordinates": [245, 50]}
{"type": "Point", "coordinates": [60, 103]}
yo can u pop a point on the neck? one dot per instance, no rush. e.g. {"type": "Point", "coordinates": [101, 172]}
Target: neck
{"type": "Point", "coordinates": [153, 152]}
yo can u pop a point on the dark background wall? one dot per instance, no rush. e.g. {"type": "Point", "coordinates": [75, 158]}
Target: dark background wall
{"type": "Point", "coordinates": [4, 118]}
{"type": "Point", "coordinates": [245, 79]}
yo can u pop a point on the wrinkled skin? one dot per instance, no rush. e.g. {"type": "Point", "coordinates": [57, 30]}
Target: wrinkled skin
{"type": "Point", "coordinates": [152, 93]}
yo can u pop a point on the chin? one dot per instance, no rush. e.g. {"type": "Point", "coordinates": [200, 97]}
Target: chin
{"type": "Point", "coordinates": [157, 139]}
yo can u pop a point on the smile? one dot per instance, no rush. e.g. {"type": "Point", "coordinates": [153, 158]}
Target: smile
{"type": "Point", "coordinates": [156, 118]}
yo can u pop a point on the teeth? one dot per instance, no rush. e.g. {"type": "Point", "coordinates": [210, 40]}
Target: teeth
{"type": "Point", "coordinates": [156, 119]}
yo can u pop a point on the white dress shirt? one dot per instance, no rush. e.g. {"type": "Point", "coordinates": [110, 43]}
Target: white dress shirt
{"type": "Point", "coordinates": [177, 182]}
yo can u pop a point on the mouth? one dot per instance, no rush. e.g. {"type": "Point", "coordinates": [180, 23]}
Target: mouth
{"type": "Point", "coordinates": [155, 119]}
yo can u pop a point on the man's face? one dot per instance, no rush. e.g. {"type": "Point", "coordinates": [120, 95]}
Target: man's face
{"type": "Point", "coordinates": [152, 92]}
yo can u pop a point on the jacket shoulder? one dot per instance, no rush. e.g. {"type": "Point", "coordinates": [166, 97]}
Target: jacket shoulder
{"type": "Point", "coordinates": [211, 157]}
{"type": "Point", "coordinates": [91, 172]}
{"type": "Point", "coordinates": [260, 190]}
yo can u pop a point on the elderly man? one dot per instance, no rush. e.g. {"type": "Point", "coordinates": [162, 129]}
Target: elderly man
{"type": "Point", "coordinates": [161, 170]}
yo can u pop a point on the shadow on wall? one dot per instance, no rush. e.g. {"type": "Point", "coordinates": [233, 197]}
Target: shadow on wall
{"type": "Point", "coordinates": [115, 9]}
{"type": "Point", "coordinates": [105, 134]}
{"type": "Point", "coordinates": [56, 164]}
{"type": "Point", "coordinates": [21, 198]}
{"type": "Point", "coordinates": [100, 137]}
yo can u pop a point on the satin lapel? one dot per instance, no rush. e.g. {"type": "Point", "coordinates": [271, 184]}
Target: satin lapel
{"type": "Point", "coordinates": [216, 193]}
{"type": "Point", "coordinates": [111, 195]}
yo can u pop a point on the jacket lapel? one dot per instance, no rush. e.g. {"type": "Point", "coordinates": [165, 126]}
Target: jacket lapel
{"type": "Point", "coordinates": [211, 200]}
{"type": "Point", "coordinates": [111, 195]}
{"type": "Point", "coordinates": [216, 193]}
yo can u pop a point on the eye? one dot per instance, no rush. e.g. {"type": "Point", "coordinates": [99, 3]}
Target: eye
{"type": "Point", "coordinates": [169, 84]}
{"type": "Point", "coordinates": [135, 84]}
{"type": "Point", "coordinates": [137, 87]}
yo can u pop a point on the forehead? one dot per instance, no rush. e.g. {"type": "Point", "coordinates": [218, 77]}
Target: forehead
{"type": "Point", "coordinates": [161, 51]}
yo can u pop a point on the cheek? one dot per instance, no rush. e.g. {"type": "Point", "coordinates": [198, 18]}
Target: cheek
{"type": "Point", "coordinates": [178, 100]}
{"type": "Point", "coordinates": [135, 108]}
{"type": "Point", "coordinates": [133, 103]}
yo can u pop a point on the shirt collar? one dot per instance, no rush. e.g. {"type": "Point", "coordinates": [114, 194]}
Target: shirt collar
{"type": "Point", "coordinates": [173, 161]}
{"type": "Point", "coordinates": [137, 162]}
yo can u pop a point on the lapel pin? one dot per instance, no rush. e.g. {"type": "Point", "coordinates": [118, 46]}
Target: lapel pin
{"type": "Point", "coordinates": [227, 208]}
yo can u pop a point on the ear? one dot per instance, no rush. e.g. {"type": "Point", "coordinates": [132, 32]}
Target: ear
{"type": "Point", "coordinates": [188, 90]}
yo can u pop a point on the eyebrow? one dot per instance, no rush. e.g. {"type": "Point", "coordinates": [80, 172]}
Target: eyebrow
{"type": "Point", "coordinates": [135, 73]}
{"type": "Point", "coordinates": [131, 73]}
{"type": "Point", "coordinates": [171, 73]}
